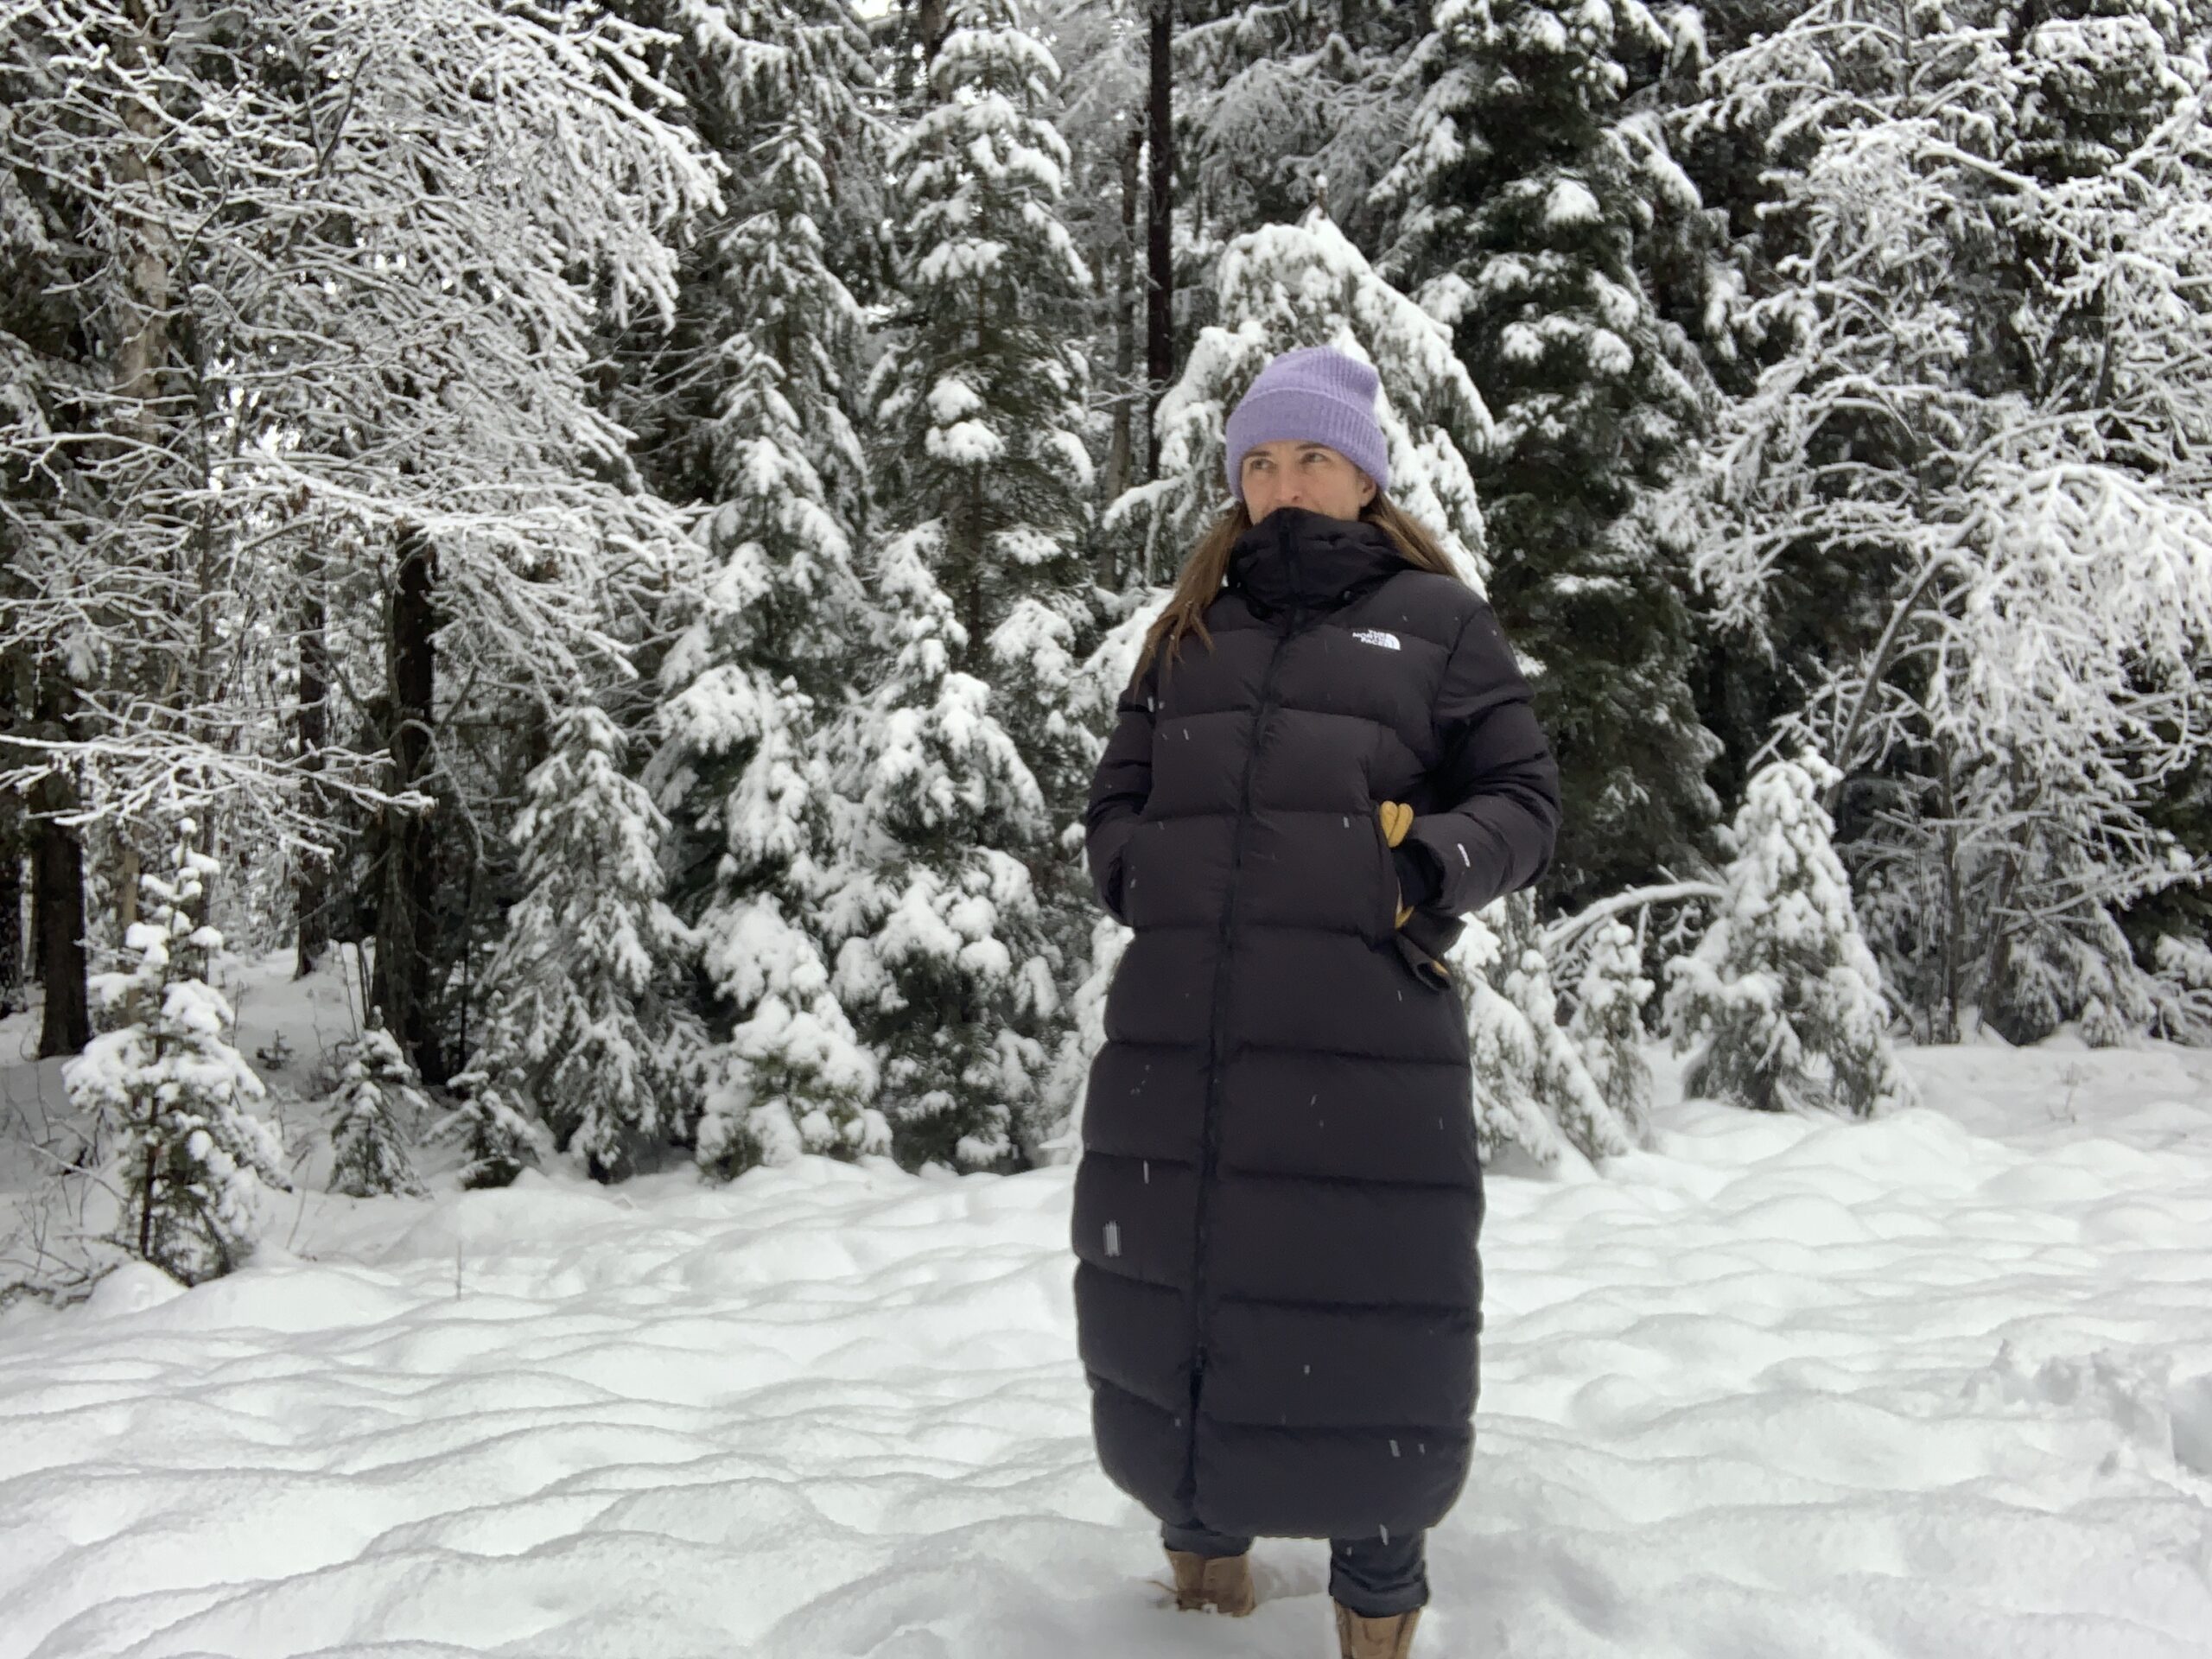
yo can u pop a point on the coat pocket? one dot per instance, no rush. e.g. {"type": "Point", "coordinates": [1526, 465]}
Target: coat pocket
{"type": "Point", "coordinates": [1431, 974]}
{"type": "Point", "coordinates": [1423, 943]}
{"type": "Point", "coordinates": [1385, 908]}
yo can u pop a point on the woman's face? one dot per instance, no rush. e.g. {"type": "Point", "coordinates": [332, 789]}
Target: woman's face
{"type": "Point", "coordinates": [1293, 473]}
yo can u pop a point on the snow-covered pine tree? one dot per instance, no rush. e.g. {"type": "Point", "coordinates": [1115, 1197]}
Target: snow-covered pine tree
{"type": "Point", "coordinates": [1781, 997]}
{"type": "Point", "coordinates": [2183, 990]}
{"type": "Point", "coordinates": [1505, 1052]}
{"type": "Point", "coordinates": [2084, 972]}
{"type": "Point", "coordinates": [1082, 1035]}
{"type": "Point", "coordinates": [793, 1076]}
{"type": "Point", "coordinates": [1098, 687]}
{"type": "Point", "coordinates": [1102, 48]}
{"type": "Point", "coordinates": [765, 345]}
{"type": "Point", "coordinates": [979, 398]}
{"type": "Point", "coordinates": [496, 1140]}
{"type": "Point", "coordinates": [1305, 284]}
{"type": "Point", "coordinates": [946, 972]}
{"type": "Point", "coordinates": [1534, 1092]}
{"type": "Point", "coordinates": [2088, 86]}
{"type": "Point", "coordinates": [376, 1112]}
{"type": "Point", "coordinates": [1522, 206]}
{"type": "Point", "coordinates": [165, 1097]}
{"type": "Point", "coordinates": [1290, 103]}
{"type": "Point", "coordinates": [1559, 1082]}
{"type": "Point", "coordinates": [584, 1025]}
{"type": "Point", "coordinates": [762, 663]}
{"type": "Point", "coordinates": [981, 477]}
{"type": "Point", "coordinates": [1607, 1025]}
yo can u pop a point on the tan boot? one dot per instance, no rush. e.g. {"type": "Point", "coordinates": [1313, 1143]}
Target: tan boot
{"type": "Point", "coordinates": [1221, 1582]}
{"type": "Point", "coordinates": [1391, 1638]}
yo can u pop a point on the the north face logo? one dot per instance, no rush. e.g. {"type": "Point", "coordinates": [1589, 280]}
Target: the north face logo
{"type": "Point", "coordinates": [1376, 637]}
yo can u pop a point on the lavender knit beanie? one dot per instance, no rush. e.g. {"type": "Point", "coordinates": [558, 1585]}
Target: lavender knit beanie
{"type": "Point", "coordinates": [1317, 394]}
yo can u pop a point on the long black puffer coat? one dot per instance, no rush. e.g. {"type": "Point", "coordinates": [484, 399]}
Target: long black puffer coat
{"type": "Point", "coordinates": [1278, 1295]}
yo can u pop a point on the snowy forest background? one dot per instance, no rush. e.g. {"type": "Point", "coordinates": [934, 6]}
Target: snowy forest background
{"type": "Point", "coordinates": [622, 526]}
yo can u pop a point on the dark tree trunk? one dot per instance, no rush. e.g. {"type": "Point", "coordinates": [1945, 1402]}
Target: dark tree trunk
{"type": "Point", "coordinates": [58, 895]}
{"type": "Point", "coordinates": [14, 840]}
{"type": "Point", "coordinates": [1121, 453]}
{"type": "Point", "coordinates": [11, 925]}
{"type": "Point", "coordinates": [1159, 216]}
{"type": "Point", "coordinates": [401, 983]}
{"type": "Point", "coordinates": [311, 888]}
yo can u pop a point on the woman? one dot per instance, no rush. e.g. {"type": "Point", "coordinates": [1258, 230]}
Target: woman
{"type": "Point", "coordinates": [1326, 757]}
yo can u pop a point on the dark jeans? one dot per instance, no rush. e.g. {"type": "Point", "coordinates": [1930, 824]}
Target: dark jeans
{"type": "Point", "coordinates": [1373, 1578]}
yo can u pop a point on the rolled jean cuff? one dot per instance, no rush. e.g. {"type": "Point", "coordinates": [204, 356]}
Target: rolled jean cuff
{"type": "Point", "coordinates": [1378, 1580]}
{"type": "Point", "coordinates": [1197, 1541]}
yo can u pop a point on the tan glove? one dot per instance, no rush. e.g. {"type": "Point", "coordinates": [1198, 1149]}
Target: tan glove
{"type": "Point", "coordinates": [1397, 817]}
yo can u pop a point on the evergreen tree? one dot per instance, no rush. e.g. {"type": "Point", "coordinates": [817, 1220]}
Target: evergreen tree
{"type": "Point", "coordinates": [794, 1077]}
{"type": "Point", "coordinates": [1098, 686]}
{"type": "Point", "coordinates": [1524, 208]}
{"type": "Point", "coordinates": [980, 396]}
{"type": "Point", "coordinates": [765, 645]}
{"type": "Point", "coordinates": [1305, 284]}
{"type": "Point", "coordinates": [497, 1140]}
{"type": "Point", "coordinates": [1607, 1025]}
{"type": "Point", "coordinates": [1291, 105]}
{"type": "Point", "coordinates": [946, 973]}
{"type": "Point", "coordinates": [763, 351]}
{"type": "Point", "coordinates": [584, 1024]}
{"type": "Point", "coordinates": [1562, 1080]}
{"type": "Point", "coordinates": [1102, 47]}
{"type": "Point", "coordinates": [1085, 1034]}
{"type": "Point", "coordinates": [1782, 996]}
{"type": "Point", "coordinates": [375, 1112]}
{"type": "Point", "coordinates": [2084, 972]}
{"type": "Point", "coordinates": [1507, 1052]}
{"type": "Point", "coordinates": [981, 472]}
{"type": "Point", "coordinates": [1532, 1090]}
{"type": "Point", "coordinates": [165, 1095]}
{"type": "Point", "coordinates": [782, 87]}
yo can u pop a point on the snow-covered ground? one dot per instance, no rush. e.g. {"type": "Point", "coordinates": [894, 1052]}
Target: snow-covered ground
{"type": "Point", "coordinates": [1932, 1388]}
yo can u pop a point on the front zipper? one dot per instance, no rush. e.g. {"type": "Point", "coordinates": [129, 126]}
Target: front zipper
{"type": "Point", "coordinates": [1210, 1127]}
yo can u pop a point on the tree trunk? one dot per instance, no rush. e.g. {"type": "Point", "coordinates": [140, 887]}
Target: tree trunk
{"type": "Point", "coordinates": [1944, 1027]}
{"type": "Point", "coordinates": [11, 926]}
{"type": "Point", "coordinates": [58, 892]}
{"type": "Point", "coordinates": [129, 869]}
{"type": "Point", "coordinates": [15, 840]}
{"type": "Point", "coordinates": [401, 983]}
{"type": "Point", "coordinates": [1159, 214]}
{"type": "Point", "coordinates": [311, 881]}
{"type": "Point", "coordinates": [58, 898]}
{"type": "Point", "coordinates": [1122, 448]}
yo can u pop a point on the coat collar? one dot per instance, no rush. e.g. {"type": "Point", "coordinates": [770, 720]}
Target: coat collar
{"type": "Point", "coordinates": [1294, 558]}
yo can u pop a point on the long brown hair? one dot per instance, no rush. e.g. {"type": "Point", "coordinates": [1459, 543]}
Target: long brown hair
{"type": "Point", "coordinates": [1199, 581]}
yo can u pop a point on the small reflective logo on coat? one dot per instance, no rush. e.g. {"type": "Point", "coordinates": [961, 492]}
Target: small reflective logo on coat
{"type": "Point", "coordinates": [1376, 637]}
